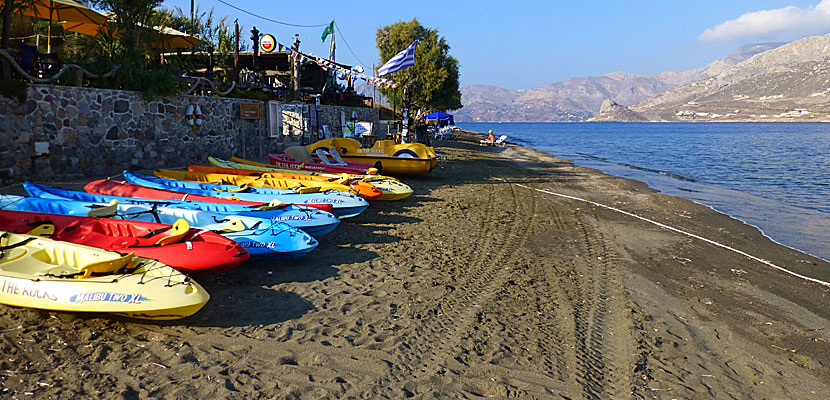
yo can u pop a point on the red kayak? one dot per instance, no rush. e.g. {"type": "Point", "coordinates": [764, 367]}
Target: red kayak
{"type": "Point", "coordinates": [284, 161]}
{"type": "Point", "coordinates": [124, 189]}
{"type": "Point", "coordinates": [186, 249]}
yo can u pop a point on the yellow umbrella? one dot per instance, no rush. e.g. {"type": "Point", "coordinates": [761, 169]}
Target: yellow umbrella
{"type": "Point", "coordinates": [165, 38]}
{"type": "Point", "coordinates": [61, 10]}
{"type": "Point", "coordinates": [169, 38]}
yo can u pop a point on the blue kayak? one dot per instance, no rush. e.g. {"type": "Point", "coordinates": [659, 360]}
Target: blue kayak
{"type": "Point", "coordinates": [344, 205]}
{"type": "Point", "coordinates": [315, 222]}
{"type": "Point", "coordinates": [259, 236]}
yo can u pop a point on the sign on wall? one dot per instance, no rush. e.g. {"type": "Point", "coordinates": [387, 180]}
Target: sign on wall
{"type": "Point", "coordinates": [267, 43]}
{"type": "Point", "coordinates": [250, 110]}
{"type": "Point", "coordinates": [363, 129]}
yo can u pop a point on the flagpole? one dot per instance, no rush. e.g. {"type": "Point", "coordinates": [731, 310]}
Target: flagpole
{"type": "Point", "coordinates": [49, 38]}
{"type": "Point", "coordinates": [331, 44]}
{"type": "Point", "coordinates": [394, 104]}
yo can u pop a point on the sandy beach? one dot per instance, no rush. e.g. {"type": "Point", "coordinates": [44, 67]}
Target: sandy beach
{"type": "Point", "coordinates": [478, 285]}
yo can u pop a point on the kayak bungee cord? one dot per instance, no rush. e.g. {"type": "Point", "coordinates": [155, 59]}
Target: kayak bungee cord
{"type": "Point", "coordinates": [153, 211]}
{"type": "Point", "coordinates": [692, 235]}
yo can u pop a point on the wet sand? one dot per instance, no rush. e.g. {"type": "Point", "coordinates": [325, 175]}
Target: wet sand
{"type": "Point", "coordinates": [476, 286]}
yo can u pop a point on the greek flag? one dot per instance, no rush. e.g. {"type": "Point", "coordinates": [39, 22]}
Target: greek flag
{"type": "Point", "coordinates": [406, 58]}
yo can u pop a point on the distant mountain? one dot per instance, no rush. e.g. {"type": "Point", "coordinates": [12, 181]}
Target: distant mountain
{"type": "Point", "coordinates": [787, 83]}
{"type": "Point", "coordinates": [578, 99]}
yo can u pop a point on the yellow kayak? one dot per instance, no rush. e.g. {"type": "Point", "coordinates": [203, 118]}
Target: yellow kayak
{"type": "Point", "coordinates": [47, 274]}
{"type": "Point", "coordinates": [264, 181]}
{"type": "Point", "coordinates": [392, 188]}
{"type": "Point", "coordinates": [407, 158]}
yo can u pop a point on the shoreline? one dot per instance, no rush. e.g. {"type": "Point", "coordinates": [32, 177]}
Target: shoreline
{"type": "Point", "coordinates": [474, 286]}
{"type": "Point", "coordinates": [713, 208]}
{"type": "Point", "coordinates": [724, 213]}
{"type": "Point", "coordinates": [797, 225]}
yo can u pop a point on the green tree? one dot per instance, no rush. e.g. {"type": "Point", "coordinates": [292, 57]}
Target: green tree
{"type": "Point", "coordinates": [216, 33]}
{"type": "Point", "coordinates": [432, 84]}
{"type": "Point", "coordinates": [133, 21]}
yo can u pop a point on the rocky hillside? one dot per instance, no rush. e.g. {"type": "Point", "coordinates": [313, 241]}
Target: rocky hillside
{"type": "Point", "coordinates": [579, 98]}
{"type": "Point", "coordinates": [788, 83]}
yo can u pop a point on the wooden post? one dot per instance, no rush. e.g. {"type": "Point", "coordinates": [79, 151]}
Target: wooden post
{"type": "Point", "coordinates": [236, 46]}
{"type": "Point", "coordinates": [297, 66]}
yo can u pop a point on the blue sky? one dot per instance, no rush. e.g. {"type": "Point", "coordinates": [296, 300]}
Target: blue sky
{"type": "Point", "coordinates": [527, 44]}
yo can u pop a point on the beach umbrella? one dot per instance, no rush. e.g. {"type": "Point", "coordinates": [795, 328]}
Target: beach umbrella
{"type": "Point", "coordinates": [169, 38]}
{"type": "Point", "coordinates": [164, 38]}
{"type": "Point", "coordinates": [61, 10]}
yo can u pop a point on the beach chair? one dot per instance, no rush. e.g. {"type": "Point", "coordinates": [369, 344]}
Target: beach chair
{"type": "Point", "coordinates": [337, 159]}
{"type": "Point", "coordinates": [323, 155]}
{"type": "Point", "coordinates": [497, 142]}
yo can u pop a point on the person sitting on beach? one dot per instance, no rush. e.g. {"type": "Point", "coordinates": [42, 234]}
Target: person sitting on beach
{"type": "Point", "coordinates": [490, 137]}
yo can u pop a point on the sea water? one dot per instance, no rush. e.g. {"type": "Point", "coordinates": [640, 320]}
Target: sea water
{"type": "Point", "coordinates": [775, 176]}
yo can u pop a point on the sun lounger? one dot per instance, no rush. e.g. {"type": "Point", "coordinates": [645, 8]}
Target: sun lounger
{"type": "Point", "coordinates": [497, 142]}
{"type": "Point", "coordinates": [324, 155]}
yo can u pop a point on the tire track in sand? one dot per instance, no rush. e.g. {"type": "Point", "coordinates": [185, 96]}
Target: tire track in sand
{"type": "Point", "coordinates": [426, 352]}
{"type": "Point", "coordinates": [601, 318]}
{"type": "Point", "coordinates": [411, 350]}
{"type": "Point", "coordinates": [554, 340]}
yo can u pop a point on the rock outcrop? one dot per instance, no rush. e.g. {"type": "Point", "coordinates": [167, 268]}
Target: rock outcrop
{"type": "Point", "coordinates": [611, 111]}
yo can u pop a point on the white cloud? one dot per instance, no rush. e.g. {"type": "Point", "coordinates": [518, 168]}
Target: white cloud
{"type": "Point", "coordinates": [788, 21]}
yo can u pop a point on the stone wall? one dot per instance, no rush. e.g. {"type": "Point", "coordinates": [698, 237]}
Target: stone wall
{"type": "Point", "coordinates": [98, 132]}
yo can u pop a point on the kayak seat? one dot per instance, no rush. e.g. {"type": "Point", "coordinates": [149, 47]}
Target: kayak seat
{"type": "Point", "coordinates": [105, 267]}
{"type": "Point", "coordinates": [179, 230]}
{"type": "Point", "coordinates": [233, 225]}
{"type": "Point", "coordinates": [10, 252]}
{"type": "Point", "coordinates": [344, 179]}
{"type": "Point", "coordinates": [106, 211]}
{"type": "Point", "coordinates": [241, 188]}
{"type": "Point", "coordinates": [306, 189]}
{"type": "Point", "coordinates": [45, 229]}
{"type": "Point", "coordinates": [273, 205]}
